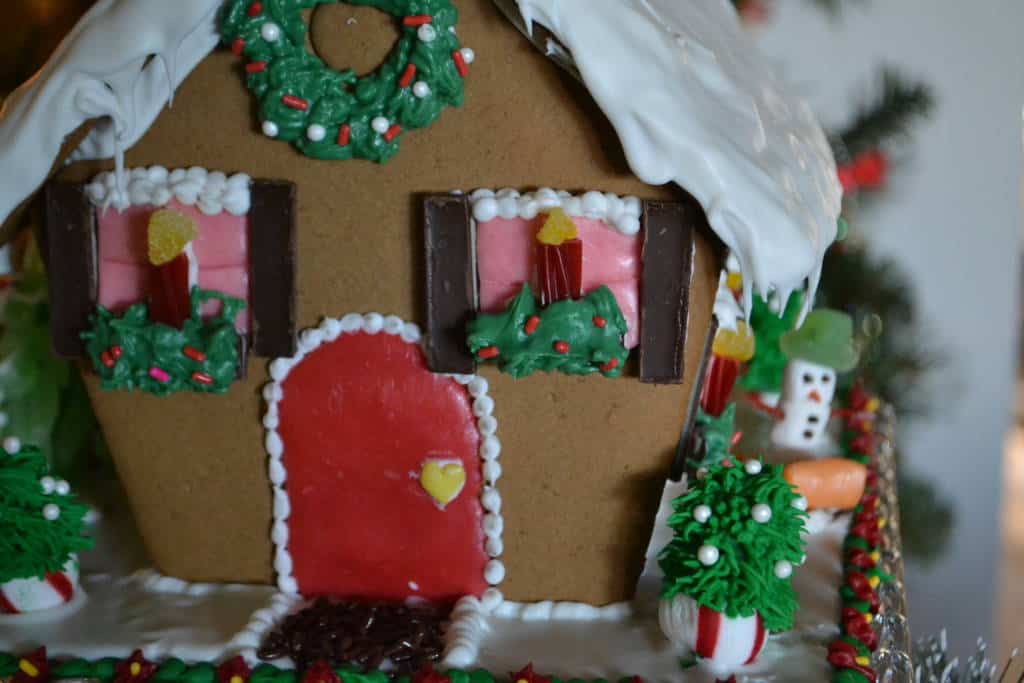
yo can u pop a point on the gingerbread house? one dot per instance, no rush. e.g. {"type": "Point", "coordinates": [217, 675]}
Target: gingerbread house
{"type": "Point", "coordinates": [361, 367]}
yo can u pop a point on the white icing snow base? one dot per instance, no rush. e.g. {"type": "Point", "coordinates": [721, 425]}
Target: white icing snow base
{"type": "Point", "coordinates": [128, 608]}
{"type": "Point", "coordinates": [694, 103]}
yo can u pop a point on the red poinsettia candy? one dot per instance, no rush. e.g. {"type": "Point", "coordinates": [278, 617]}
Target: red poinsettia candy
{"type": "Point", "coordinates": [135, 669]}
{"type": "Point", "coordinates": [860, 559]}
{"type": "Point", "coordinates": [320, 672]}
{"type": "Point", "coordinates": [234, 670]}
{"type": "Point", "coordinates": [857, 625]}
{"type": "Point", "coordinates": [426, 674]}
{"type": "Point", "coordinates": [527, 675]}
{"type": "Point", "coordinates": [33, 668]}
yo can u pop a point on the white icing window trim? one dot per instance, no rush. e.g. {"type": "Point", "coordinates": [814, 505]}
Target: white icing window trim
{"type": "Point", "coordinates": [212, 192]}
{"type": "Point", "coordinates": [483, 409]}
{"type": "Point", "coordinates": [619, 213]}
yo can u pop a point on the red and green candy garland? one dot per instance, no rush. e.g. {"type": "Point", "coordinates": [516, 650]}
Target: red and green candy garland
{"type": "Point", "coordinates": [329, 114]}
{"type": "Point", "coordinates": [850, 654]}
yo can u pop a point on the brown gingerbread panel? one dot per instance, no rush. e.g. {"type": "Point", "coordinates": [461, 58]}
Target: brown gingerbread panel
{"type": "Point", "coordinates": [575, 450]}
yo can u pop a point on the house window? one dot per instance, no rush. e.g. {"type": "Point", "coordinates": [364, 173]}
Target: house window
{"type": "Point", "coordinates": [242, 246]}
{"type": "Point", "coordinates": [482, 248]}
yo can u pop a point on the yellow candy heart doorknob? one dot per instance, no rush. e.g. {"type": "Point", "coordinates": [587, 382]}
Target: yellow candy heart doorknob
{"type": "Point", "coordinates": [442, 480]}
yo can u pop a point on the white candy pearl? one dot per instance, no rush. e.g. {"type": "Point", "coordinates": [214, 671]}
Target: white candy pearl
{"type": "Point", "coordinates": [62, 488]}
{"type": "Point", "coordinates": [12, 444]}
{"type": "Point", "coordinates": [427, 33]}
{"type": "Point", "coordinates": [270, 32]}
{"type": "Point", "coordinates": [316, 132]}
{"type": "Point", "coordinates": [753, 467]}
{"type": "Point", "coordinates": [420, 89]}
{"type": "Point", "coordinates": [702, 513]}
{"type": "Point", "coordinates": [51, 512]}
{"type": "Point", "coordinates": [761, 513]}
{"type": "Point", "coordinates": [468, 56]}
{"type": "Point", "coordinates": [380, 124]}
{"type": "Point", "coordinates": [701, 473]}
{"type": "Point", "coordinates": [707, 554]}
{"type": "Point", "coordinates": [783, 569]}
{"type": "Point", "coordinates": [48, 484]}
{"type": "Point", "coordinates": [800, 504]}
{"type": "Point", "coordinates": [270, 129]}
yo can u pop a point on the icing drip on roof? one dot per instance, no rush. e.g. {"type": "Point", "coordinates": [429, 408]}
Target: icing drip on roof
{"type": "Point", "coordinates": [694, 103]}
{"type": "Point", "coordinates": [121, 64]}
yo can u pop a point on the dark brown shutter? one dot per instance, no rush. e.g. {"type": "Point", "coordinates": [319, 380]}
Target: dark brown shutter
{"type": "Point", "coordinates": [668, 256]}
{"type": "Point", "coordinates": [450, 286]}
{"type": "Point", "coordinates": [69, 222]}
{"type": "Point", "coordinates": [272, 268]}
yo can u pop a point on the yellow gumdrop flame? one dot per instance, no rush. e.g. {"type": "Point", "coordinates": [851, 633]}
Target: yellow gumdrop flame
{"type": "Point", "coordinates": [557, 228]}
{"type": "Point", "coordinates": [735, 344]}
{"type": "Point", "coordinates": [168, 233]}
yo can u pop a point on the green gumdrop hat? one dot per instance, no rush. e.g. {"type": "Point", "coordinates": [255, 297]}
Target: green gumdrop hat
{"type": "Point", "coordinates": [825, 338]}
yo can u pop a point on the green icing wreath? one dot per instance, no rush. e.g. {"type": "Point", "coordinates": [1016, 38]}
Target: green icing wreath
{"type": "Point", "coordinates": [329, 114]}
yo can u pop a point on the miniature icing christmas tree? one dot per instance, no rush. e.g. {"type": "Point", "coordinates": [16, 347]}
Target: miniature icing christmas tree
{"type": "Point", "coordinates": [728, 567]}
{"type": "Point", "coordinates": [764, 372]}
{"type": "Point", "coordinates": [41, 532]}
{"type": "Point", "coordinates": [820, 348]}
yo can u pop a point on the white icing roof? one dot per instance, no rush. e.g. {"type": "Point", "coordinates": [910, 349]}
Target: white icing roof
{"type": "Point", "coordinates": [694, 103]}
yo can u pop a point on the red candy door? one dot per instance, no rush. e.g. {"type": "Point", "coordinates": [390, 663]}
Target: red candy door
{"type": "Point", "coordinates": [383, 474]}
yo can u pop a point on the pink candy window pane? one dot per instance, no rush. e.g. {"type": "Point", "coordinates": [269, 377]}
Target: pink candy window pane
{"type": "Point", "coordinates": [221, 250]}
{"type": "Point", "coordinates": [506, 258]}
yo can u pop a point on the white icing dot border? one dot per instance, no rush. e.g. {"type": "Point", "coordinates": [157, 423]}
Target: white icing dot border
{"type": "Point", "coordinates": [620, 213]}
{"type": "Point", "coordinates": [483, 409]}
{"type": "Point", "coordinates": [212, 192]}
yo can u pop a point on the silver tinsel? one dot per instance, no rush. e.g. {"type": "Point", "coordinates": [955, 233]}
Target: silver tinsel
{"type": "Point", "coordinates": [932, 664]}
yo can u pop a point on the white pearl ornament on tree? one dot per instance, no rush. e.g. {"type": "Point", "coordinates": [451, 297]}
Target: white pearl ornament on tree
{"type": "Point", "coordinates": [752, 467]}
{"type": "Point", "coordinates": [468, 56]}
{"type": "Point", "coordinates": [316, 132]}
{"type": "Point", "coordinates": [62, 488]}
{"type": "Point", "coordinates": [51, 512]}
{"type": "Point", "coordinates": [783, 569]}
{"type": "Point", "coordinates": [702, 513]}
{"type": "Point", "coordinates": [270, 32]}
{"type": "Point", "coordinates": [707, 555]}
{"type": "Point", "coordinates": [800, 504]}
{"type": "Point", "coordinates": [47, 484]}
{"type": "Point", "coordinates": [380, 125]}
{"type": "Point", "coordinates": [420, 89]}
{"type": "Point", "coordinates": [427, 33]}
{"type": "Point", "coordinates": [761, 513]}
{"type": "Point", "coordinates": [12, 444]}
{"type": "Point", "coordinates": [270, 129]}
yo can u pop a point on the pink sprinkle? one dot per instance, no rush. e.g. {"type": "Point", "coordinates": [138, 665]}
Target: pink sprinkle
{"type": "Point", "coordinates": [159, 375]}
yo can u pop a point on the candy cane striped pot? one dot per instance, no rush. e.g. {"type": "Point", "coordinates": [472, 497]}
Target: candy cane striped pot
{"type": "Point", "coordinates": [724, 644]}
{"type": "Point", "coordinates": [19, 596]}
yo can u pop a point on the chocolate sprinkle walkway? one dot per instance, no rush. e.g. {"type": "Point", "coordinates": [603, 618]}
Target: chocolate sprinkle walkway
{"type": "Point", "coordinates": [359, 634]}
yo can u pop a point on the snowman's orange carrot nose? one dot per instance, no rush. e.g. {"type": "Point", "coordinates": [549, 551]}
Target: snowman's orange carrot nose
{"type": "Point", "coordinates": [814, 396]}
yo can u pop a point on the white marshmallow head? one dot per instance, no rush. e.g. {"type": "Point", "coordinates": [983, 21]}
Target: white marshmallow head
{"type": "Point", "coordinates": [807, 393]}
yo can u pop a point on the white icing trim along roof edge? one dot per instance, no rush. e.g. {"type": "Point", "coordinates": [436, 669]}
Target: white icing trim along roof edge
{"type": "Point", "coordinates": [120, 64]}
{"type": "Point", "coordinates": [693, 102]}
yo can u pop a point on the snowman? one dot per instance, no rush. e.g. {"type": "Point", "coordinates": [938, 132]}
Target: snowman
{"type": "Point", "coordinates": [822, 347]}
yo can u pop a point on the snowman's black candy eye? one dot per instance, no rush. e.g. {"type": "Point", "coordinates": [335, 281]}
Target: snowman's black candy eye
{"type": "Point", "coordinates": [825, 379]}
{"type": "Point", "coordinates": [808, 378]}
{"type": "Point", "coordinates": [808, 434]}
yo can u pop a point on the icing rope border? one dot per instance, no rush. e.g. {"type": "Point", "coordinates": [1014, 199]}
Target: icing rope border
{"type": "Point", "coordinates": [329, 330]}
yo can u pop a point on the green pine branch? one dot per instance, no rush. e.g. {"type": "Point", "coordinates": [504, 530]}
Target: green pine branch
{"type": "Point", "coordinates": [887, 116]}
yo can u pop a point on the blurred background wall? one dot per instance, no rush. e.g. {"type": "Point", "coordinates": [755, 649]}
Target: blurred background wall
{"type": "Point", "coordinates": [951, 218]}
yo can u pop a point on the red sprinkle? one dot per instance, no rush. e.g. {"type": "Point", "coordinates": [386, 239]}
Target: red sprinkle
{"type": "Point", "coordinates": [532, 323]}
{"type": "Point", "coordinates": [417, 20]}
{"type": "Point", "coordinates": [407, 76]}
{"type": "Point", "coordinates": [392, 133]}
{"type": "Point", "coordinates": [600, 322]}
{"type": "Point", "coordinates": [255, 9]}
{"type": "Point", "coordinates": [202, 378]}
{"type": "Point", "coordinates": [106, 359]}
{"type": "Point", "coordinates": [561, 347]}
{"type": "Point", "coordinates": [488, 352]}
{"type": "Point", "coordinates": [237, 46]}
{"type": "Point", "coordinates": [193, 353]}
{"type": "Point", "coordinates": [255, 67]}
{"type": "Point", "coordinates": [116, 352]}
{"type": "Point", "coordinates": [295, 102]}
{"type": "Point", "coordinates": [344, 135]}
{"type": "Point", "coordinates": [610, 365]}
{"type": "Point", "coordinates": [460, 64]}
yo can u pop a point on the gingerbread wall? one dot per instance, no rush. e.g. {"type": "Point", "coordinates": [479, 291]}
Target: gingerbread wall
{"type": "Point", "coordinates": [583, 458]}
